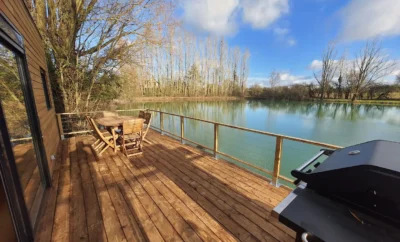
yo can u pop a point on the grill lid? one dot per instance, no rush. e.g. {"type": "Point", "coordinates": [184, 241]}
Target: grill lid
{"type": "Point", "coordinates": [378, 153]}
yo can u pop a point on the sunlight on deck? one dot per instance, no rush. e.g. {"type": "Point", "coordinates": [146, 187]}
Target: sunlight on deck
{"type": "Point", "coordinates": [172, 192]}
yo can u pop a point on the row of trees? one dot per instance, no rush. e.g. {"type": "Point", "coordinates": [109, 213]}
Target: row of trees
{"type": "Point", "coordinates": [101, 50]}
{"type": "Point", "coordinates": [362, 77]}
{"type": "Point", "coordinates": [186, 65]}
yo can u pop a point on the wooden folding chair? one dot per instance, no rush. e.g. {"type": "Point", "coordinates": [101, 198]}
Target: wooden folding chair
{"type": "Point", "coordinates": [132, 136]}
{"type": "Point", "coordinates": [104, 139]}
{"type": "Point", "coordinates": [147, 117]}
{"type": "Point", "coordinates": [141, 114]}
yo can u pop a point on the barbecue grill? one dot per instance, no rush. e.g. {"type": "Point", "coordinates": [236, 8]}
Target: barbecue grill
{"type": "Point", "coordinates": [353, 195]}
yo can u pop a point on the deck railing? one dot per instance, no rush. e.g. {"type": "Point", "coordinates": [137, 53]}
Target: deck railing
{"type": "Point", "coordinates": [74, 123]}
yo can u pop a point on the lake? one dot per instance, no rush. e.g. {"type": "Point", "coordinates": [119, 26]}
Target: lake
{"type": "Point", "coordinates": [332, 123]}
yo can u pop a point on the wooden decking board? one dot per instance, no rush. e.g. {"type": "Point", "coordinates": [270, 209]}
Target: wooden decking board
{"type": "Point", "coordinates": [195, 222]}
{"type": "Point", "coordinates": [127, 219]}
{"type": "Point", "coordinates": [217, 208]}
{"type": "Point", "coordinates": [255, 180]}
{"type": "Point", "coordinates": [219, 201]}
{"type": "Point", "coordinates": [136, 207]}
{"type": "Point", "coordinates": [206, 161]}
{"type": "Point", "coordinates": [111, 222]}
{"type": "Point", "coordinates": [207, 219]}
{"type": "Point", "coordinates": [45, 228]}
{"type": "Point", "coordinates": [170, 193]}
{"type": "Point", "coordinates": [156, 215]}
{"type": "Point", "coordinates": [77, 222]}
{"type": "Point", "coordinates": [232, 199]}
{"type": "Point", "coordinates": [181, 226]}
{"type": "Point", "coordinates": [261, 208]}
{"type": "Point", "coordinates": [61, 217]}
{"type": "Point", "coordinates": [95, 226]}
{"type": "Point", "coordinates": [206, 175]}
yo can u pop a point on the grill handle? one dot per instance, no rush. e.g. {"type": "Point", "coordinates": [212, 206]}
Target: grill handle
{"type": "Point", "coordinates": [306, 164]}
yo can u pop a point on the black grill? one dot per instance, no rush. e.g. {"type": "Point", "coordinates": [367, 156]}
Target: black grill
{"type": "Point", "coordinates": [364, 176]}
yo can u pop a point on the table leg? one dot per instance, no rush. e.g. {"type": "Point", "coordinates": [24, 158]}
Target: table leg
{"type": "Point", "coordinates": [114, 139]}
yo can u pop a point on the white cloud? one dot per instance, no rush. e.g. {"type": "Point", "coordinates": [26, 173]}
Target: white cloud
{"type": "Point", "coordinates": [216, 17]}
{"type": "Point", "coordinates": [315, 65]}
{"type": "Point", "coordinates": [363, 19]}
{"type": "Point", "coordinates": [261, 13]}
{"type": "Point", "coordinates": [220, 16]}
{"type": "Point", "coordinates": [285, 79]}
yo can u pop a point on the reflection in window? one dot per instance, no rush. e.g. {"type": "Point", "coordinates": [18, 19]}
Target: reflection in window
{"type": "Point", "coordinates": [15, 112]}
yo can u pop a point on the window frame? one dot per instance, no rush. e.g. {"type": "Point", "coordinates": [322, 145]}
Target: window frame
{"type": "Point", "coordinates": [46, 89]}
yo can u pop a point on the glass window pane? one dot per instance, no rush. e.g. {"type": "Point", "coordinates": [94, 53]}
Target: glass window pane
{"type": "Point", "coordinates": [15, 112]}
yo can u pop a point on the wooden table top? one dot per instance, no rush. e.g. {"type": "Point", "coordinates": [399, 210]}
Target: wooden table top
{"type": "Point", "coordinates": [115, 121]}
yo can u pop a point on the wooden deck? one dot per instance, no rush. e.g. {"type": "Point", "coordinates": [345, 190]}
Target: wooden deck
{"type": "Point", "coordinates": [172, 192]}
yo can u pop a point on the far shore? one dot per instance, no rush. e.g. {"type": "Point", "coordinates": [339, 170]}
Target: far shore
{"type": "Point", "coordinates": [229, 98]}
{"type": "Point", "coordinates": [174, 99]}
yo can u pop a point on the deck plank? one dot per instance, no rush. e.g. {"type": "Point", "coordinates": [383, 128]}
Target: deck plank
{"type": "Point", "coordinates": [123, 176]}
{"type": "Point", "coordinates": [44, 228]}
{"type": "Point", "coordinates": [172, 192]}
{"type": "Point", "coordinates": [112, 225]}
{"type": "Point", "coordinates": [234, 200]}
{"type": "Point", "coordinates": [128, 222]}
{"type": "Point", "coordinates": [61, 217]}
{"type": "Point", "coordinates": [95, 224]}
{"type": "Point", "coordinates": [77, 223]}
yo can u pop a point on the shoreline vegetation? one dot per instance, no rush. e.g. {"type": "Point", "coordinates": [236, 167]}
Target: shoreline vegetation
{"type": "Point", "coordinates": [395, 102]}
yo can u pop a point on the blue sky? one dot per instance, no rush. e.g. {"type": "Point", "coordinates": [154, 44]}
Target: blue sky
{"type": "Point", "coordinates": [288, 35]}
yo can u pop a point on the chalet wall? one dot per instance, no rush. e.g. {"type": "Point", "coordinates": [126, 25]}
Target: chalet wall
{"type": "Point", "coordinates": [18, 14]}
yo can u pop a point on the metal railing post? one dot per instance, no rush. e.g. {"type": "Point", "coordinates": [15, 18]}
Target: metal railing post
{"type": "Point", "coordinates": [182, 129]}
{"type": "Point", "coordinates": [277, 161]}
{"type": "Point", "coordinates": [216, 140]}
{"type": "Point", "coordinates": [161, 122]}
{"type": "Point", "coordinates": [60, 126]}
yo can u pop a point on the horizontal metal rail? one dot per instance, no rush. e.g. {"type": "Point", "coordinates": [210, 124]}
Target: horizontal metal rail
{"type": "Point", "coordinates": [275, 173]}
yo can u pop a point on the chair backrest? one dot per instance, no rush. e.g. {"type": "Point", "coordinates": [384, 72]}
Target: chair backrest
{"type": "Point", "coordinates": [147, 117]}
{"type": "Point", "coordinates": [109, 114]}
{"type": "Point", "coordinates": [99, 134]}
{"type": "Point", "coordinates": [141, 114]}
{"type": "Point", "coordinates": [89, 123]}
{"type": "Point", "coordinates": [132, 126]}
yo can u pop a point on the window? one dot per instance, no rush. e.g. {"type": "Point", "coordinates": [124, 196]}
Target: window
{"type": "Point", "coordinates": [45, 88]}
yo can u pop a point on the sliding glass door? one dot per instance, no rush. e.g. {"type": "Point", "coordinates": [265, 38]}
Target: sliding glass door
{"type": "Point", "coordinates": [18, 126]}
{"type": "Point", "coordinates": [23, 167]}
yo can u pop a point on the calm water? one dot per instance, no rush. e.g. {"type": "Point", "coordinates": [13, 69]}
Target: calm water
{"type": "Point", "coordinates": [339, 124]}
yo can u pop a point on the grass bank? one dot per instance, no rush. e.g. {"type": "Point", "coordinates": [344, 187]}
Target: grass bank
{"type": "Point", "coordinates": [364, 101]}
{"type": "Point", "coordinates": [175, 99]}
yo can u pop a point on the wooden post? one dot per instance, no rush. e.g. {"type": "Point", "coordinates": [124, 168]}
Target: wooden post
{"type": "Point", "coordinates": [277, 161]}
{"type": "Point", "coordinates": [60, 126]}
{"type": "Point", "coordinates": [215, 140]}
{"type": "Point", "coordinates": [161, 122]}
{"type": "Point", "coordinates": [182, 129]}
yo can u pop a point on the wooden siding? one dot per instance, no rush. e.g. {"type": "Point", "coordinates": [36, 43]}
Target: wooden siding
{"type": "Point", "coordinates": [172, 192]}
{"type": "Point", "coordinates": [18, 14]}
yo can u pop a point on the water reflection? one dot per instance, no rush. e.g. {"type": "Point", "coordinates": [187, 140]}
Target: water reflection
{"type": "Point", "coordinates": [334, 123]}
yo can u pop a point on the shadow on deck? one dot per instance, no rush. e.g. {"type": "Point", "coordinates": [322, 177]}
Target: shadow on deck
{"type": "Point", "coordinates": [172, 192]}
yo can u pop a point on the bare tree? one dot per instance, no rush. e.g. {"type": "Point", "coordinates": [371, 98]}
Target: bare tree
{"type": "Point", "coordinates": [328, 71]}
{"type": "Point", "coordinates": [274, 78]}
{"type": "Point", "coordinates": [369, 66]}
{"type": "Point", "coordinates": [398, 79]}
{"type": "Point", "coordinates": [88, 40]}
